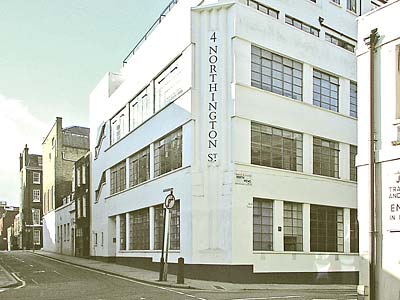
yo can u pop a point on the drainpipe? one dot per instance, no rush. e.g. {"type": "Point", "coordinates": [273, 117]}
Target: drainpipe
{"type": "Point", "coordinates": [371, 41]}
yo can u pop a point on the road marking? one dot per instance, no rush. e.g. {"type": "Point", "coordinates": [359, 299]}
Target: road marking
{"type": "Point", "coordinates": [20, 280]}
{"type": "Point", "coordinates": [2, 291]}
{"type": "Point", "coordinates": [57, 272]}
{"type": "Point", "coordinates": [41, 271]}
{"type": "Point", "coordinates": [250, 299]}
{"type": "Point", "coordinates": [31, 265]}
{"type": "Point", "coordinates": [35, 282]}
{"type": "Point", "coordinates": [121, 277]}
{"type": "Point", "coordinates": [284, 297]}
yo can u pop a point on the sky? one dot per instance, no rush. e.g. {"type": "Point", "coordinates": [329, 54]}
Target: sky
{"type": "Point", "coordinates": [52, 54]}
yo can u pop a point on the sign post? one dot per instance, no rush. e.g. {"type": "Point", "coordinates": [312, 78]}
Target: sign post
{"type": "Point", "coordinates": [169, 203]}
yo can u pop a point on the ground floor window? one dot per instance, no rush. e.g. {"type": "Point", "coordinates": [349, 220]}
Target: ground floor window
{"type": "Point", "coordinates": [122, 241]}
{"type": "Point", "coordinates": [326, 229]}
{"type": "Point", "coordinates": [293, 226]}
{"type": "Point", "coordinates": [353, 231]}
{"type": "Point", "coordinates": [174, 233]}
{"type": "Point", "coordinates": [262, 224]}
{"type": "Point", "coordinates": [139, 230]}
{"type": "Point", "coordinates": [36, 236]}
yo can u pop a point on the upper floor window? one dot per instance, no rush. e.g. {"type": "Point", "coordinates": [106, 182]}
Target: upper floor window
{"type": "Point", "coordinates": [36, 177]}
{"type": "Point", "coordinates": [83, 174]}
{"type": "Point", "coordinates": [139, 167]}
{"type": "Point", "coordinates": [353, 99]}
{"type": "Point", "coordinates": [168, 153]}
{"type": "Point", "coordinates": [353, 168]}
{"type": "Point", "coordinates": [141, 108]}
{"type": "Point", "coordinates": [35, 216]}
{"type": "Point", "coordinates": [118, 177]}
{"type": "Point", "coordinates": [84, 208]}
{"type": "Point", "coordinates": [301, 25]}
{"type": "Point", "coordinates": [78, 176]}
{"type": "Point", "coordinates": [336, 1]}
{"type": "Point", "coordinates": [326, 91]}
{"type": "Point", "coordinates": [275, 147]}
{"type": "Point", "coordinates": [264, 9]}
{"type": "Point", "coordinates": [100, 186]}
{"type": "Point", "coordinates": [35, 195]}
{"type": "Point", "coordinates": [173, 82]}
{"type": "Point", "coordinates": [275, 73]}
{"type": "Point", "coordinates": [119, 126]}
{"type": "Point", "coordinates": [339, 42]}
{"type": "Point", "coordinates": [352, 5]}
{"type": "Point", "coordinates": [326, 229]}
{"type": "Point", "coordinates": [326, 157]}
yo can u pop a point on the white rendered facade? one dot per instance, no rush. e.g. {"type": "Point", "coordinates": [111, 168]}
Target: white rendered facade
{"type": "Point", "coordinates": [387, 149]}
{"type": "Point", "coordinates": [214, 102]}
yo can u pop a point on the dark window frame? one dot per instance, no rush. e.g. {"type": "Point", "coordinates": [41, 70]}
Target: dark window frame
{"type": "Point", "coordinates": [325, 157]}
{"type": "Point", "coordinates": [263, 214]}
{"type": "Point", "coordinates": [293, 226]}
{"type": "Point", "coordinates": [168, 153]}
{"type": "Point", "coordinates": [325, 90]}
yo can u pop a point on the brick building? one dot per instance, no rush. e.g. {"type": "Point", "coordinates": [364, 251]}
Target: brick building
{"type": "Point", "coordinates": [62, 147]}
{"type": "Point", "coordinates": [7, 215]}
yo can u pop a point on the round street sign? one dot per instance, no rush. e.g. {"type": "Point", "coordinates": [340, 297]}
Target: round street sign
{"type": "Point", "coordinates": [169, 201]}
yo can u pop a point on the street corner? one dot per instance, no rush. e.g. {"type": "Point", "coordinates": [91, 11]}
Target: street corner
{"type": "Point", "coordinates": [7, 280]}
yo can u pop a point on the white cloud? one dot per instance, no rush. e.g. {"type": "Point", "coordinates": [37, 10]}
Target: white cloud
{"type": "Point", "coordinates": [18, 127]}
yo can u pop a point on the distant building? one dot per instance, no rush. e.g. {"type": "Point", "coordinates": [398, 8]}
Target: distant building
{"type": "Point", "coordinates": [17, 231]}
{"type": "Point", "coordinates": [65, 226]}
{"type": "Point", "coordinates": [250, 113]}
{"type": "Point", "coordinates": [81, 191]}
{"type": "Point", "coordinates": [62, 147]}
{"type": "Point", "coordinates": [7, 215]}
{"type": "Point", "coordinates": [379, 32]}
{"type": "Point", "coordinates": [31, 205]}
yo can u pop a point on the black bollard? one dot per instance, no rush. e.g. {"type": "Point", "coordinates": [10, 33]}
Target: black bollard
{"type": "Point", "coordinates": [160, 278]}
{"type": "Point", "coordinates": [181, 274]}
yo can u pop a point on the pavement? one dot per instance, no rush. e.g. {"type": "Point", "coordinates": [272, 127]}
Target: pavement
{"type": "Point", "coordinates": [151, 277]}
{"type": "Point", "coordinates": [6, 279]}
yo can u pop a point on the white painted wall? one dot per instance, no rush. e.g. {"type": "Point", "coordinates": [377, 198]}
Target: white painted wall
{"type": "Point", "coordinates": [387, 155]}
{"type": "Point", "coordinates": [65, 215]}
{"type": "Point", "coordinates": [49, 231]}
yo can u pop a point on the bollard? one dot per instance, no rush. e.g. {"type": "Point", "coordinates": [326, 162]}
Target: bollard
{"type": "Point", "coordinates": [160, 278]}
{"type": "Point", "coordinates": [180, 278]}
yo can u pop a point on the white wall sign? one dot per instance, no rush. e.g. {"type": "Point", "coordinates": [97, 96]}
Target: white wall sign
{"type": "Point", "coordinates": [243, 178]}
{"type": "Point", "coordinates": [213, 97]}
{"type": "Point", "coordinates": [392, 205]}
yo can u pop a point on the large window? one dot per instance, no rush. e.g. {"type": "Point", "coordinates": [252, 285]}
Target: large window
{"type": "Point", "coordinates": [118, 177]}
{"type": "Point", "coordinates": [139, 230]}
{"type": "Point", "coordinates": [264, 9]}
{"type": "Point", "coordinates": [353, 99]}
{"type": "Point", "coordinates": [326, 229]}
{"type": "Point", "coordinates": [339, 42]}
{"type": "Point", "coordinates": [119, 126]}
{"type": "Point", "coordinates": [174, 233]}
{"type": "Point", "coordinates": [36, 177]}
{"type": "Point", "coordinates": [139, 167]}
{"type": "Point", "coordinates": [301, 25]}
{"type": "Point", "coordinates": [353, 231]}
{"type": "Point", "coordinates": [275, 147]}
{"type": "Point", "coordinates": [141, 108]}
{"type": "Point", "coordinates": [35, 195]}
{"type": "Point", "coordinates": [122, 232]}
{"type": "Point", "coordinates": [293, 226]}
{"type": "Point", "coordinates": [326, 157]}
{"type": "Point", "coordinates": [353, 168]}
{"type": "Point", "coordinates": [168, 153]}
{"type": "Point", "coordinates": [326, 91]}
{"type": "Point", "coordinates": [275, 73]}
{"type": "Point", "coordinates": [262, 224]}
{"type": "Point", "coordinates": [352, 5]}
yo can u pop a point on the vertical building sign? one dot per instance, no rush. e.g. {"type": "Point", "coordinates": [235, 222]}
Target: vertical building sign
{"type": "Point", "coordinates": [213, 99]}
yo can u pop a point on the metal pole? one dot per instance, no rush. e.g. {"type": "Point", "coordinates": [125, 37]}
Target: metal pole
{"type": "Point", "coordinates": [161, 275]}
{"type": "Point", "coordinates": [371, 42]}
{"type": "Point", "coordinates": [167, 247]}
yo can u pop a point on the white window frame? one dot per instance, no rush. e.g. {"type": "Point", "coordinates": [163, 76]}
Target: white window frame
{"type": "Point", "coordinates": [37, 179]}
{"type": "Point", "coordinates": [35, 195]}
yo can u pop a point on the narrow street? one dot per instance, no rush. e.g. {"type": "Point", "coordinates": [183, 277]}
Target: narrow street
{"type": "Point", "coordinates": [44, 278]}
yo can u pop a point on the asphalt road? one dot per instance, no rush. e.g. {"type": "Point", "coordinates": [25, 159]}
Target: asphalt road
{"type": "Point", "coordinates": [44, 278]}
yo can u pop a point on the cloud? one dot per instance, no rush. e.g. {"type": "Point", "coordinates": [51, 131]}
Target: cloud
{"type": "Point", "coordinates": [18, 127]}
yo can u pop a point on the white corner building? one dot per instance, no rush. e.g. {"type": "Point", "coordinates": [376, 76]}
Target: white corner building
{"type": "Point", "coordinates": [248, 110]}
{"type": "Point", "coordinates": [385, 281]}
